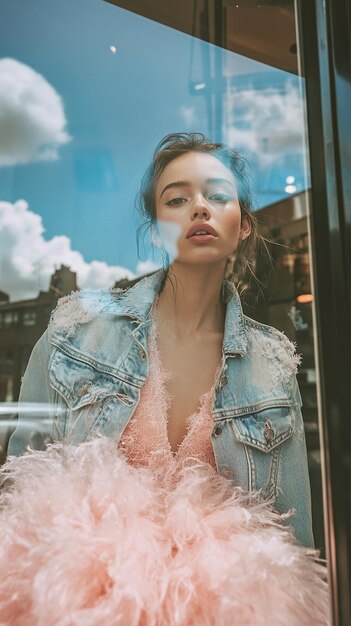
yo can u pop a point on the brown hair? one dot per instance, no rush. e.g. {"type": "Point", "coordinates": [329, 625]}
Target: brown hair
{"type": "Point", "coordinates": [241, 266]}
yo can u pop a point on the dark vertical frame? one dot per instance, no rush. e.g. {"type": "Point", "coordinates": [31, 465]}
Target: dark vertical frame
{"type": "Point", "coordinates": [325, 34]}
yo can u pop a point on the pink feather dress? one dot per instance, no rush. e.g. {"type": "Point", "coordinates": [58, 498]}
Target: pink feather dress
{"type": "Point", "coordinates": [136, 535]}
{"type": "Point", "coordinates": [145, 439]}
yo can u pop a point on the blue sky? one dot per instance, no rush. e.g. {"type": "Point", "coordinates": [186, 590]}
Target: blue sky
{"type": "Point", "coordinates": [118, 106]}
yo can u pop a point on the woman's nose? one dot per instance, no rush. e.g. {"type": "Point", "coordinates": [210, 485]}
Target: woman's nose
{"type": "Point", "coordinates": [200, 210]}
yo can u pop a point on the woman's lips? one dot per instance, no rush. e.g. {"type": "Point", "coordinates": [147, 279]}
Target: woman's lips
{"type": "Point", "coordinates": [199, 227]}
{"type": "Point", "coordinates": [202, 238]}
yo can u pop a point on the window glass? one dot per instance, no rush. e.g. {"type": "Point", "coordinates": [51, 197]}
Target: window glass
{"type": "Point", "coordinates": [88, 88]}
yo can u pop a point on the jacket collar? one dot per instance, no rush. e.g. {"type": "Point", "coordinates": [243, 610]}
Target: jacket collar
{"type": "Point", "coordinates": [137, 301]}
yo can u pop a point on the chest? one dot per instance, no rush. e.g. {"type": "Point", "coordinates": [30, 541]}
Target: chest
{"type": "Point", "coordinates": [193, 365]}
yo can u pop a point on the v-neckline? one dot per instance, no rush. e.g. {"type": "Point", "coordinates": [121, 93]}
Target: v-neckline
{"type": "Point", "coordinates": [164, 375]}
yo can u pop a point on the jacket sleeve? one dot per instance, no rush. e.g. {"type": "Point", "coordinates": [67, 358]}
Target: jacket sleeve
{"type": "Point", "coordinates": [36, 404]}
{"type": "Point", "coordinates": [293, 490]}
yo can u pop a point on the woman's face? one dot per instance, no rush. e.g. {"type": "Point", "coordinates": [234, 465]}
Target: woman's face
{"type": "Point", "coordinates": [198, 192]}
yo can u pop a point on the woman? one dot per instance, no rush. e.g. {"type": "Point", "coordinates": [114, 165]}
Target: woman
{"type": "Point", "coordinates": [197, 395]}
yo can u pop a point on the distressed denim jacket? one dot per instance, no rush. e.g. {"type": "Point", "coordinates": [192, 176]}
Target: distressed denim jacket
{"type": "Point", "coordinates": [90, 364]}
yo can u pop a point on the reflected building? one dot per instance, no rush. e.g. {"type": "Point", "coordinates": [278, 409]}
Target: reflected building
{"type": "Point", "coordinates": [21, 325]}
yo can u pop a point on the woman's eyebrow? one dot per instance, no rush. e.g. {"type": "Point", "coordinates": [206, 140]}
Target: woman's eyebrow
{"type": "Point", "coordinates": [217, 181]}
{"type": "Point", "coordinates": [178, 183]}
{"type": "Point", "coordinates": [187, 183]}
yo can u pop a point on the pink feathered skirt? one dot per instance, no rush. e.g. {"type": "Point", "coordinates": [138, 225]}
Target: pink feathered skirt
{"type": "Point", "coordinates": [86, 539]}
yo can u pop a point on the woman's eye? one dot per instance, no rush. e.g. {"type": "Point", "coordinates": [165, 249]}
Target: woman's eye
{"type": "Point", "coordinates": [220, 197]}
{"type": "Point", "coordinates": [176, 201]}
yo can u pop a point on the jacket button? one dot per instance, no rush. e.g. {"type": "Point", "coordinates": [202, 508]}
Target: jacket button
{"type": "Point", "coordinates": [217, 430]}
{"type": "Point", "coordinates": [268, 432]}
{"type": "Point", "coordinates": [223, 382]}
{"type": "Point", "coordinates": [84, 389]}
{"type": "Point", "coordinates": [226, 472]}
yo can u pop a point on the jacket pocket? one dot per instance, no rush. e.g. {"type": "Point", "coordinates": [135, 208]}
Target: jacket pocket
{"type": "Point", "coordinates": [86, 392]}
{"type": "Point", "coordinates": [263, 434]}
{"type": "Point", "coordinates": [264, 429]}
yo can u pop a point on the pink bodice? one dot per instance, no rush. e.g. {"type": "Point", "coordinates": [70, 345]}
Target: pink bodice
{"type": "Point", "coordinates": [145, 441]}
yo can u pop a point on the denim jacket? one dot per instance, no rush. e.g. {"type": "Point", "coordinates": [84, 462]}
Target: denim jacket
{"type": "Point", "coordinates": [88, 368]}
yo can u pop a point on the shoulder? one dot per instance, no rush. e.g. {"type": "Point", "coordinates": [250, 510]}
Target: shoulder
{"type": "Point", "coordinates": [272, 344]}
{"type": "Point", "coordinates": [81, 307]}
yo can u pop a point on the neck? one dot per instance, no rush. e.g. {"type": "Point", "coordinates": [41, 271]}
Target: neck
{"type": "Point", "coordinates": [190, 301]}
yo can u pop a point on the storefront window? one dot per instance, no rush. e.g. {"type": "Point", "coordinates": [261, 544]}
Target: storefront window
{"type": "Point", "coordinates": [88, 89]}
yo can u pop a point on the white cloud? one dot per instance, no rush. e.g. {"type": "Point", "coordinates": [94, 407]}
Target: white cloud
{"type": "Point", "coordinates": [32, 117]}
{"type": "Point", "coordinates": [27, 260]}
{"type": "Point", "coordinates": [145, 267]}
{"type": "Point", "coordinates": [266, 122]}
